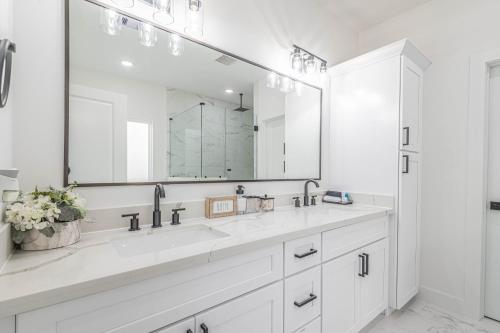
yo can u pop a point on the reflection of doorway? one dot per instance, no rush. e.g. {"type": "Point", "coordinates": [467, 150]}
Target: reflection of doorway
{"type": "Point", "coordinates": [97, 135]}
{"type": "Point", "coordinates": [492, 269]}
{"type": "Point", "coordinates": [274, 147]}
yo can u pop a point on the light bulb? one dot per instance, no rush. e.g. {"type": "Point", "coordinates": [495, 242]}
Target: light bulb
{"type": "Point", "coordinates": [194, 18]}
{"type": "Point", "coordinates": [310, 64]}
{"type": "Point", "coordinates": [124, 3]}
{"type": "Point", "coordinates": [164, 13]}
{"type": "Point", "coordinates": [297, 60]}
{"type": "Point", "coordinates": [176, 45]}
{"type": "Point", "coordinates": [111, 22]}
{"type": "Point", "coordinates": [147, 34]}
{"type": "Point", "coordinates": [272, 80]}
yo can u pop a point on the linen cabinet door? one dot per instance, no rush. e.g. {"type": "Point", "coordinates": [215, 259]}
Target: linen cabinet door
{"type": "Point", "coordinates": [260, 311]}
{"type": "Point", "coordinates": [341, 294]}
{"type": "Point", "coordinates": [373, 284]}
{"type": "Point", "coordinates": [411, 105]}
{"type": "Point", "coordinates": [408, 229]}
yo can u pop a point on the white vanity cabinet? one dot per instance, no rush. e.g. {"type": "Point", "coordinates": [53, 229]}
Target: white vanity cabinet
{"type": "Point", "coordinates": [377, 113]}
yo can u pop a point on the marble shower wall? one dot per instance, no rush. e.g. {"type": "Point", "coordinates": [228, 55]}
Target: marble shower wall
{"type": "Point", "coordinates": [210, 141]}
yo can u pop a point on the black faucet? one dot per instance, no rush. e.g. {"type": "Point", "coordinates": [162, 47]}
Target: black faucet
{"type": "Point", "coordinates": [306, 191]}
{"type": "Point", "coordinates": [159, 193]}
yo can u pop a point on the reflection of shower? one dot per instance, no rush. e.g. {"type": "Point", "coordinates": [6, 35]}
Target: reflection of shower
{"type": "Point", "coordinates": [241, 108]}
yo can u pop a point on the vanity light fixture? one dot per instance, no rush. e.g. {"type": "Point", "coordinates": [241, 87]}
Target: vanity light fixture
{"type": "Point", "coordinates": [164, 11]}
{"type": "Point", "coordinates": [194, 17]}
{"type": "Point", "coordinates": [127, 64]}
{"type": "Point", "coordinates": [147, 34]}
{"type": "Point", "coordinates": [306, 62]}
{"type": "Point", "coordinates": [124, 3]}
{"type": "Point", "coordinates": [272, 80]}
{"type": "Point", "coordinates": [111, 22]}
{"type": "Point", "coordinates": [229, 91]}
{"type": "Point", "coordinates": [176, 45]}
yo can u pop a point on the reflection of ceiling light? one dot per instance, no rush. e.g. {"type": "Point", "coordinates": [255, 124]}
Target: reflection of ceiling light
{"type": "Point", "coordinates": [147, 34]}
{"type": "Point", "coordinates": [286, 84]}
{"type": "Point", "coordinates": [176, 44]}
{"type": "Point", "coordinates": [297, 60]}
{"type": "Point", "coordinates": [229, 91]}
{"type": "Point", "coordinates": [164, 11]}
{"type": "Point", "coordinates": [126, 63]}
{"type": "Point", "coordinates": [111, 22]}
{"type": "Point", "coordinates": [272, 80]}
{"type": "Point", "coordinates": [124, 3]}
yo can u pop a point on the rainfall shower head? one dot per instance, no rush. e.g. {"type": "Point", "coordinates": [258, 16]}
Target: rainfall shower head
{"type": "Point", "coordinates": [241, 108]}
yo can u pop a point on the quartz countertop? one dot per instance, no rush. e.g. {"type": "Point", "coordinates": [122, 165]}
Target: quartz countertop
{"type": "Point", "coordinates": [31, 280]}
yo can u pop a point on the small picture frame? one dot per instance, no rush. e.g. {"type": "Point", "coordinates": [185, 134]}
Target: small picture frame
{"type": "Point", "coordinates": [220, 206]}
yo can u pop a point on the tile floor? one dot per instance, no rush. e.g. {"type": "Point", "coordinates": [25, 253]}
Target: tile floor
{"type": "Point", "coordinates": [420, 317]}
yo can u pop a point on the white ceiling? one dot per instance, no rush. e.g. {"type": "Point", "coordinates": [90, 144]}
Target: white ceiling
{"type": "Point", "coordinates": [362, 14]}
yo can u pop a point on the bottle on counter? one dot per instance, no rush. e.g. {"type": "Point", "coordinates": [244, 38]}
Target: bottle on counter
{"type": "Point", "coordinates": [241, 200]}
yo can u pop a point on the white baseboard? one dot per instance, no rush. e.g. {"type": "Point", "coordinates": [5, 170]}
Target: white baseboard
{"type": "Point", "coordinates": [443, 300]}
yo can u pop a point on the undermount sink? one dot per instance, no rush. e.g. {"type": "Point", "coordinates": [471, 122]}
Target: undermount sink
{"type": "Point", "coordinates": [161, 240]}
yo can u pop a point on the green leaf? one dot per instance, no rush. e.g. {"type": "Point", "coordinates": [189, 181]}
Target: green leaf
{"type": "Point", "coordinates": [67, 214]}
{"type": "Point", "coordinates": [49, 232]}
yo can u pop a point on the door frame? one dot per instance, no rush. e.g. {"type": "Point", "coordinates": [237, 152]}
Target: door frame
{"type": "Point", "coordinates": [476, 181]}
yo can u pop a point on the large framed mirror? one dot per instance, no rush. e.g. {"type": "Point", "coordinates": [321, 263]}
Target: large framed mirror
{"type": "Point", "coordinates": [145, 105]}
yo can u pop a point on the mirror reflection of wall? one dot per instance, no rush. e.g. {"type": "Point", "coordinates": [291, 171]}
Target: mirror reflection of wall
{"type": "Point", "coordinates": [170, 109]}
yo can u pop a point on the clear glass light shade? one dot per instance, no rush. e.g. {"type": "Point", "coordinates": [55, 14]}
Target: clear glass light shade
{"type": "Point", "coordinates": [164, 11]}
{"type": "Point", "coordinates": [176, 45]}
{"type": "Point", "coordinates": [297, 60]}
{"type": "Point", "coordinates": [323, 68]}
{"type": "Point", "coordinates": [124, 3]}
{"type": "Point", "coordinates": [194, 18]}
{"type": "Point", "coordinates": [111, 22]}
{"type": "Point", "coordinates": [272, 80]}
{"type": "Point", "coordinates": [310, 65]}
{"type": "Point", "coordinates": [286, 84]}
{"type": "Point", "coordinates": [147, 34]}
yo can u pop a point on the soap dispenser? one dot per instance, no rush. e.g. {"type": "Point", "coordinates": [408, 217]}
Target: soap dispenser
{"type": "Point", "coordinates": [242, 201]}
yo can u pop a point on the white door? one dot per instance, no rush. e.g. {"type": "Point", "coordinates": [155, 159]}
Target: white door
{"type": "Point", "coordinates": [373, 286]}
{"type": "Point", "coordinates": [185, 326]}
{"type": "Point", "coordinates": [492, 273]}
{"type": "Point", "coordinates": [411, 105]}
{"type": "Point", "coordinates": [260, 311]}
{"type": "Point", "coordinates": [341, 294]}
{"type": "Point", "coordinates": [97, 136]}
{"type": "Point", "coordinates": [408, 241]}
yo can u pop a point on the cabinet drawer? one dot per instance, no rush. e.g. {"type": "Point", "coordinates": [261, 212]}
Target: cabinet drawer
{"type": "Point", "coordinates": [152, 304]}
{"type": "Point", "coordinates": [312, 327]}
{"type": "Point", "coordinates": [302, 298]}
{"type": "Point", "coordinates": [343, 240]}
{"type": "Point", "coordinates": [301, 254]}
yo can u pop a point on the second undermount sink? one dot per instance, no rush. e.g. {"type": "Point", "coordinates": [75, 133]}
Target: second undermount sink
{"type": "Point", "coordinates": [160, 240]}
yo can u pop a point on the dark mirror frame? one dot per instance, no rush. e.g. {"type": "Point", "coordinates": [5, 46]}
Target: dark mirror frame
{"type": "Point", "coordinates": [66, 106]}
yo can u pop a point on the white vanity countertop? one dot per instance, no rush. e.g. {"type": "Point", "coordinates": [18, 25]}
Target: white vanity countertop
{"type": "Point", "coordinates": [31, 280]}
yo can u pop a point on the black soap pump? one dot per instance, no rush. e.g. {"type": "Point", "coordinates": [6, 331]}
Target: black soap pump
{"type": "Point", "coordinates": [242, 201]}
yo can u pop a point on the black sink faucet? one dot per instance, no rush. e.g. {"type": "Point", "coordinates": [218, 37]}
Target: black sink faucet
{"type": "Point", "coordinates": [159, 193]}
{"type": "Point", "coordinates": [306, 190]}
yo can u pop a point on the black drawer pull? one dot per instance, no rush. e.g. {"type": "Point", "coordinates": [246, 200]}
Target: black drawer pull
{"type": "Point", "coordinates": [362, 265]}
{"type": "Point", "coordinates": [494, 205]}
{"type": "Point", "coordinates": [204, 328]}
{"type": "Point", "coordinates": [307, 254]}
{"type": "Point", "coordinates": [189, 331]}
{"type": "Point", "coordinates": [311, 298]}
{"type": "Point", "coordinates": [366, 268]}
{"type": "Point", "coordinates": [406, 131]}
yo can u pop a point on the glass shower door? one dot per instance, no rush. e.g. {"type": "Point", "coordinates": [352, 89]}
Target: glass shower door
{"type": "Point", "coordinates": [213, 142]}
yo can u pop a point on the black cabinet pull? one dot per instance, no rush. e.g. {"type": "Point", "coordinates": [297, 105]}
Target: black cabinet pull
{"type": "Point", "coordinates": [406, 132]}
{"type": "Point", "coordinates": [406, 168]}
{"type": "Point", "coordinates": [494, 205]}
{"type": "Point", "coordinates": [366, 268]}
{"type": "Point", "coordinates": [311, 298]}
{"type": "Point", "coordinates": [307, 254]}
{"type": "Point", "coordinates": [204, 328]}
{"type": "Point", "coordinates": [189, 331]}
{"type": "Point", "coordinates": [361, 265]}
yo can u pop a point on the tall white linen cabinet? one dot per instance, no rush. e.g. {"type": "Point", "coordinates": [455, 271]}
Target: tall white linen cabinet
{"type": "Point", "coordinates": [375, 140]}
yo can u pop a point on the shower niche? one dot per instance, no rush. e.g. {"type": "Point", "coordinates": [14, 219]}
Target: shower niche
{"type": "Point", "coordinates": [174, 110]}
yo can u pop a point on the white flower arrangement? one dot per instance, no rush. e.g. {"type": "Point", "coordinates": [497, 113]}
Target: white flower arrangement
{"type": "Point", "coordinates": [46, 211]}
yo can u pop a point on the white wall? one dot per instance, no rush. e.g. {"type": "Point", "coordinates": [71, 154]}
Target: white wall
{"type": "Point", "coordinates": [448, 32]}
{"type": "Point", "coordinates": [6, 31]}
{"type": "Point", "coordinates": [259, 30]}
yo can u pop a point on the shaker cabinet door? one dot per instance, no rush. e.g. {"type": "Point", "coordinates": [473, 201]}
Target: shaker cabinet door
{"type": "Point", "coordinates": [411, 105]}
